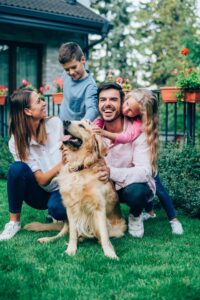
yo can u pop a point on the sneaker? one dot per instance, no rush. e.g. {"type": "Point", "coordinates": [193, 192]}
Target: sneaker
{"type": "Point", "coordinates": [10, 230]}
{"type": "Point", "coordinates": [176, 227]}
{"type": "Point", "coordinates": [136, 226]}
{"type": "Point", "coordinates": [146, 216]}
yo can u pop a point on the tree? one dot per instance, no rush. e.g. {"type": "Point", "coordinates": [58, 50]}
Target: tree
{"type": "Point", "coordinates": [146, 38]}
{"type": "Point", "coordinates": [114, 53]}
{"type": "Point", "coordinates": [165, 28]}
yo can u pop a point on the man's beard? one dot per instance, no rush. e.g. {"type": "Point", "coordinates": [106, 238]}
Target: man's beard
{"type": "Point", "coordinates": [119, 115]}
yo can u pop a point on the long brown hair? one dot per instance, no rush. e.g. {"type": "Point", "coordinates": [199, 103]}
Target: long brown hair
{"type": "Point", "coordinates": [21, 125]}
{"type": "Point", "coordinates": [149, 113]}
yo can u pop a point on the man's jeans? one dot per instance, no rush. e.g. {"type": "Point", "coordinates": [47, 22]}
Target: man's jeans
{"type": "Point", "coordinates": [22, 186]}
{"type": "Point", "coordinates": [136, 196]}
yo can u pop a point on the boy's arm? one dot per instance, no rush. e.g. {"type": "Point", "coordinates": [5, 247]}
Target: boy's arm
{"type": "Point", "coordinates": [91, 106]}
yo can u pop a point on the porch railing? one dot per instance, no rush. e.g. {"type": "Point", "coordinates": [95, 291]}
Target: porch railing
{"type": "Point", "coordinates": [178, 121]}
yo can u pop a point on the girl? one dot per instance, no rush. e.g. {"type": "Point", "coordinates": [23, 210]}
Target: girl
{"type": "Point", "coordinates": [34, 144]}
{"type": "Point", "coordinates": [144, 111]}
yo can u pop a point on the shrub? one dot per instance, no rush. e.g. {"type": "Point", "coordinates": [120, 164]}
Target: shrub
{"type": "Point", "coordinates": [179, 169]}
{"type": "Point", "coordinates": [5, 157]}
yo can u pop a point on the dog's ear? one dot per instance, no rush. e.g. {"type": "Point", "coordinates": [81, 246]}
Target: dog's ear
{"type": "Point", "coordinates": [101, 148]}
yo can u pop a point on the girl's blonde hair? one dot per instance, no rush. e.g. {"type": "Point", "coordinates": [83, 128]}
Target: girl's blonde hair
{"type": "Point", "coordinates": [149, 113]}
{"type": "Point", "coordinates": [21, 125]}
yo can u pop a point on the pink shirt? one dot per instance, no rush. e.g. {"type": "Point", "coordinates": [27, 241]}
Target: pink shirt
{"type": "Point", "coordinates": [129, 135]}
{"type": "Point", "coordinates": [130, 163]}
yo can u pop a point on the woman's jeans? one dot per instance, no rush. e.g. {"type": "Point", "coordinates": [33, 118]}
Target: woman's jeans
{"type": "Point", "coordinates": [22, 186]}
{"type": "Point", "coordinates": [164, 198]}
{"type": "Point", "coordinates": [136, 196]}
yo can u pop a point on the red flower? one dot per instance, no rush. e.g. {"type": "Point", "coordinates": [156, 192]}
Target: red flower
{"type": "Point", "coordinates": [190, 70]}
{"type": "Point", "coordinates": [47, 86]}
{"type": "Point", "coordinates": [185, 51]}
{"type": "Point", "coordinates": [41, 89]}
{"type": "Point", "coordinates": [25, 82]}
{"type": "Point", "coordinates": [119, 80]}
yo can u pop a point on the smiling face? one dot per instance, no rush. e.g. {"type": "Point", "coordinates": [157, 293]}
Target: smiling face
{"type": "Point", "coordinates": [75, 69]}
{"type": "Point", "coordinates": [131, 108]}
{"type": "Point", "coordinates": [37, 107]}
{"type": "Point", "coordinates": [109, 105]}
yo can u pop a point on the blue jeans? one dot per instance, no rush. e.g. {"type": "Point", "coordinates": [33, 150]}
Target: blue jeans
{"type": "Point", "coordinates": [22, 186]}
{"type": "Point", "coordinates": [164, 198]}
{"type": "Point", "coordinates": [136, 196]}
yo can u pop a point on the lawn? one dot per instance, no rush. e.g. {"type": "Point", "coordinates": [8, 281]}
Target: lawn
{"type": "Point", "coordinates": [159, 266]}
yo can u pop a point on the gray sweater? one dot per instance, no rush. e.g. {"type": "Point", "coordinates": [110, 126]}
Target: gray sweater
{"type": "Point", "coordinates": [80, 99]}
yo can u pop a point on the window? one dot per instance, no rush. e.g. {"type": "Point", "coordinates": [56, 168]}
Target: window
{"type": "Point", "coordinates": [20, 61]}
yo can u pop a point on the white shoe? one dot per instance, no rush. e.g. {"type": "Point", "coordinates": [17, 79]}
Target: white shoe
{"type": "Point", "coordinates": [136, 226]}
{"type": "Point", "coordinates": [10, 230]}
{"type": "Point", "coordinates": [146, 216]}
{"type": "Point", "coordinates": [176, 227]}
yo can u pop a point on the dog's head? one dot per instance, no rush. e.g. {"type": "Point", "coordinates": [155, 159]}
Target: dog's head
{"type": "Point", "coordinates": [83, 146]}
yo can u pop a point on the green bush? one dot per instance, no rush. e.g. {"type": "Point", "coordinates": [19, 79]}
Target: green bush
{"type": "Point", "coordinates": [5, 157]}
{"type": "Point", "coordinates": [179, 168]}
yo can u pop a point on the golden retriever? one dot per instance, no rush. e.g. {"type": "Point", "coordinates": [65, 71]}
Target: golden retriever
{"type": "Point", "coordinates": [92, 206]}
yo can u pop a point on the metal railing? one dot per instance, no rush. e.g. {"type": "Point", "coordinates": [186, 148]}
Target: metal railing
{"type": "Point", "coordinates": [178, 121]}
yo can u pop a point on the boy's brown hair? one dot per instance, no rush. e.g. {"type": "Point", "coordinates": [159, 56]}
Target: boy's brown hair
{"type": "Point", "coordinates": [69, 51]}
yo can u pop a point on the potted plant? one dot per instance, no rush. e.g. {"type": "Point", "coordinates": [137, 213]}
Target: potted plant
{"type": "Point", "coordinates": [187, 83]}
{"type": "Point", "coordinates": [58, 96]}
{"type": "Point", "coordinates": [3, 94]}
{"type": "Point", "coordinates": [125, 84]}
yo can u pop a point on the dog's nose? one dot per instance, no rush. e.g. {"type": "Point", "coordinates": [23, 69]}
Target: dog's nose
{"type": "Point", "coordinates": [66, 123]}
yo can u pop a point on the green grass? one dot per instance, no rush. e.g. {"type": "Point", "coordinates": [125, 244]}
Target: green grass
{"type": "Point", "coordinates": [159, 266]}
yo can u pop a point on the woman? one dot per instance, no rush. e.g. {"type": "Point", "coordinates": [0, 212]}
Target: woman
{"type": "Point", "coordinates": [35, 145]}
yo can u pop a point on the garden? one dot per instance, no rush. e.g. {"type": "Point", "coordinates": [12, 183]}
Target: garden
{"type": "Point", "coordinates": [139, 51]}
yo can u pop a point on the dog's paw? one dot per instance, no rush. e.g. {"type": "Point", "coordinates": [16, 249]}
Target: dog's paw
{"type": "Point", "coordinates": [71, 250]}
{"type": "Point", "coordinates": [109, 252]}
{"type": "Point", "coordinates": [43, 240]}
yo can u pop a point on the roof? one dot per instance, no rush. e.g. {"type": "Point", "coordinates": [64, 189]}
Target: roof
{"type": "Point", "coordinates": [66, 14]}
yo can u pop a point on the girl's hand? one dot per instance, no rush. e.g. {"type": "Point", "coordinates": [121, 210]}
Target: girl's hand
{"type": "Point", "coordinates": [97, 130]}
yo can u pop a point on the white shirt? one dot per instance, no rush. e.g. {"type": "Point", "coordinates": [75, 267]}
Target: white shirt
{"type": "Point", "coordinates": [44, 157]}
{"type": "Point", "coordinates": [130, 163]}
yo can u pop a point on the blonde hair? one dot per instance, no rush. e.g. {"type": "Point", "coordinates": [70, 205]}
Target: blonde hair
{"type": "Point", "coordinates": [149, 113]}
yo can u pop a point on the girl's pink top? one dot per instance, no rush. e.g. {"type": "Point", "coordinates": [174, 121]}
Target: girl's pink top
{"type": "Point", "coordinates": [125, 137]}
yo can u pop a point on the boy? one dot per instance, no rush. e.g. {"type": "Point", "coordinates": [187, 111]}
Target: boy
{"type": "Point", "coordinates": [80, 90]}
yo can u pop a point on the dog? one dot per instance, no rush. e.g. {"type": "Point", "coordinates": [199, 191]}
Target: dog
{"type": "Point", "coordinates": [92, 205]}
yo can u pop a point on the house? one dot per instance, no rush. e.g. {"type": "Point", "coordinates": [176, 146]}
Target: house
{"type": "Point", "coordinates": [31, 32]}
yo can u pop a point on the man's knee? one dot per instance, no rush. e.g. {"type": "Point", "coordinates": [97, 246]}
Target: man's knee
{"type": "Point", "coordinates": [56, 210]}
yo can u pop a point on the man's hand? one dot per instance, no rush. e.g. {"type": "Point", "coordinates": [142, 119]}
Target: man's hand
{"type": "Point", "coordinates": [103, 173]}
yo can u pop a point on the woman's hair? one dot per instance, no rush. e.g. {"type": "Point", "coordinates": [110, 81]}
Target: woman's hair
{"type": "Point", "coordinates": [149, 113]}
{"type": "Point", "coordinates": [21, 124]}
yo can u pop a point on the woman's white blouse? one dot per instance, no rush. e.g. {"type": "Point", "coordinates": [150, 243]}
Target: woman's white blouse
{"type": "Point", "coordinates": [44, 157]}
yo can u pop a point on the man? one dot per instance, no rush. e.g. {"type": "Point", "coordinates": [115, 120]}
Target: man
{"type": "Point", "coordinates": [80, 91]}
{"type": "Point", "coordinates": [129, 164]}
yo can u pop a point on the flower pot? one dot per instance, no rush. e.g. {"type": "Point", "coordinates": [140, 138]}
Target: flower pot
{"type": "Point", "coordinates": [168, 94]}
{"type": "Point", "coordinates": [192, 96]}
{"type": "Point", "coordinates": [2, 100]}
{"type": "Point", "coordinates": [126, 91]}
{"type": "Point", "coordinates": [57, 98]}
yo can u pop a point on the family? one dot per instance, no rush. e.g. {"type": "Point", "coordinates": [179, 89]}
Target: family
{"type": "Point", "coordinates": [128, 125]}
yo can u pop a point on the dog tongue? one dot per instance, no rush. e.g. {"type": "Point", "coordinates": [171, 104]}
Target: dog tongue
{"type": "Point", "coordinates": [66, 137]}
